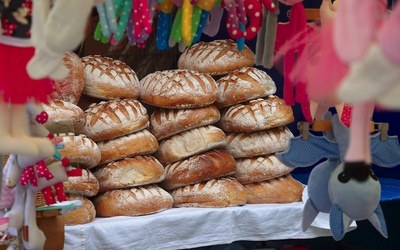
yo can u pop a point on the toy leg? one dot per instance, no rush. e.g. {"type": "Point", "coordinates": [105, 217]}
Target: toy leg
{"type": "Point", "coordinates": [15, 215]}
{"type": "Point", "coordinates": [359, 142]}
{"type": "Point", "coordinates": [33, 238]}
{"type": "Point", "coordinates": [12, 122]}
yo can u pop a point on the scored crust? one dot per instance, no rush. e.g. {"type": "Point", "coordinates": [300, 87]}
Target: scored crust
{"type": "Point", "coordinates": [107, 78]}
{"type": "Point", "coordinates": [167, 122]}
{"type": "Point", "coordinates": [246, 145]}
{"type": "Point", "coordinates": [242, 85]}
{"type": "Point", "coordinates": [260, 168]}
{"type": "Point", "coordinates": [223, 192]}
{"type": "Point", "coordinates": [201, 167]}
{"type": "Point", "coordinates": [256, 115]}
{"type": "Point", "coordinates": [178, 88]}
{"type": "Point", "coordinates": [217, 57]}
{"type": "Point", "coordinates": [110, 119]}
{"type": "Point", "coordinates": [284, 189]}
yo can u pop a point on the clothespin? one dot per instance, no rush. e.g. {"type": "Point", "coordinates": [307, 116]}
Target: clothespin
{"type": "Point", "coordinates": [304, 128]}
{"type": "Point", "coordinates": [383, 128]}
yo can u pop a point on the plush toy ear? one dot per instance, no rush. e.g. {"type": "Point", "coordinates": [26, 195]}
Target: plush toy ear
{"type": "Point", "coordinates": [339, 222]}
{"type": "Point", "coordinates": [377, 219]}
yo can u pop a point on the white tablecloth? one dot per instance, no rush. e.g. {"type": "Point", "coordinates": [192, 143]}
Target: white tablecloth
{"type": "Point", "coordinates": [180, 228]}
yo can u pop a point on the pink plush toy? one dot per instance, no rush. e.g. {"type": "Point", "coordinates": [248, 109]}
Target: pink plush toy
{"type": "Point", "coordinates": [29, 175]}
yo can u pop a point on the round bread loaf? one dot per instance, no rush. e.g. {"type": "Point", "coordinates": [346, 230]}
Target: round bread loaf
{"type": "Point", "coordinates": [82, 215]}
{"type": "Point", "coordinates": [80, 150]}
{"type": "Point", "coordinates": [134, 201]}
{"type": "Point", "coordinates": [84, 185]}
{"type": "Point", "coordinates": [178, 88]}
{"type": "Point", "coordinates": [110, 119]}
{"type": "Point", "coordinates": [63, 116]}
{"type": "Point", "coordinates": [283, 189]}
{"type": "Point", "coordinates": [198, 168]}
{"type": "Point", "coordinates": [247, 145]}
{"type": "Point", "coordinates": [242, 85]}
{"type": "Point", "coordinates": [139, 143]}
{"type": "Point", "coordinates": [223, 192]}
{"type": "Point", "coordinates": [261, 168]}
{"type": "Point", "coordinates": [70, 89]}
{"type": "Point", "coordinates": [107, 78]}
{"type": "Point", "coordinates": [189, 143]}
{"type": "Point", "coordinates": [167, 122]}
{"type": "Point", "coordinates": [130, 172]}
{"type": "Point", "coordinates": [256, 115]}
{"type": "Point", "coordinates": [216, 58]}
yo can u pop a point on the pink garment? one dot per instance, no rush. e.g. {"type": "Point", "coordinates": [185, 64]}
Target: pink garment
{"type": "Point", "coordinates": [7, 194]}
{"type": "Point", "coordinates": [15, 83]}
{"type": "Point", "coordinates": [389, 36]}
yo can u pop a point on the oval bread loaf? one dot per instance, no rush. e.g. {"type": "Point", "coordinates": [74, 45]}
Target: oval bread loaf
{"type": "Point", "coordinates": [242, 85]}
{"type": "Point", "coordinates": [134, 201]}
{"type": "Point", "coordinates": [167, 122]}
{"type": "Point", "coordinates": [178, 88]}
{"type": "Point", "coordinates": [217, 57]}
{"type": "Point", "coordinates": [82, 215]}
{"type": "Point", "coordinates": [80, 150]}
{"type": "Point", "coordinates": [85, 185]}
{"type": "Point", "coordinates": [130, 172]}
{"type": "Point", "coordinates": [256, 115]}
{"type": "Point", "coordinates": [223, 192]}
{"type": "Point", "coordinates": [283, 189]}
{"type": "Point", "coordinates": [138, 143]}
{"type": "Point", "coordinates": [106, 78]}
{"type": "Point", "coordinates": [63, 116]}
{"type": "Point", "coordinates": [70, 89]}
{"type": "Point", "coordinates": [260, 168]}
{"type": "Point", "coordinates": [110, 119]}
{"type": "Point", "coordinates": [246, 145]}
{"type": "Point", "coordinates": [198, 168]}
{"type": "Point", "coordinates": [189, 143]}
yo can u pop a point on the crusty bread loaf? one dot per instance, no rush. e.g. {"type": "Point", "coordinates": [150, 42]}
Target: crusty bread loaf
{"type": "Point", "coordinates": [283, 189]}
{"type": "Point", "coordinates": [178, 88]}
{"type": "Point", "coordinates": [84, 185]}
{"type": "Point", "coordinates": [217, 57]}
{"type": "Point", "coordinates": [260, 168]}
{"type": "Point", "coordinates": [139, 143]}
{"type": "Point", "coordinates": [133, 201]}
{"type": "Point", "coordinates": [130, 172]}
{"type": "Point", "coordinates": [107, 78]}
{"type": "Point", "coordinates": [189, 143]}
{"type": "Point", "coordinates": [256, 115]}
{"type": "Point", "coordinates": [167, 122]}
{"type": "Point", "coordinates": [70, 89]}
{"type": "Point", "coordinates": [110, 119]}
{"type": "Point", "coordinates": [80, 150]}
{"type": "Point", "coordinates": [85, 214]}
{"type": "Point", "coordinates": [198, 168]}
{"type": "Point", "coordinates": [223, 192]}
{"type": "Point", "coordinates": [63, 116]}
{"type": "Point", "coordinates": [242, 85]}
{"type": "Point", "coordinates": [246, 145]}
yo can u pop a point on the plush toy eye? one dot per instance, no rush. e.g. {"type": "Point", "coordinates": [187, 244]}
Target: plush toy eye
{"type": "Point", "coordinates": [343, 177]}
{"type": "Point", "coordinates": [373, 175]}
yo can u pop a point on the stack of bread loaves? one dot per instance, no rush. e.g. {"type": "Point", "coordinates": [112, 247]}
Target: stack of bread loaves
{"type": "Point", "coordinates": [64, 117]}
{"type": "Point", "coordinates": [81, 152]}
{"type": "Point", "coordinates": [251, 116]}
{"type": "Point", "coordinates": [118, 123]}
{"type": "Point", "coordinates": [197, 168]}
{"type": "Point", "coordinates": [64, 114]}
